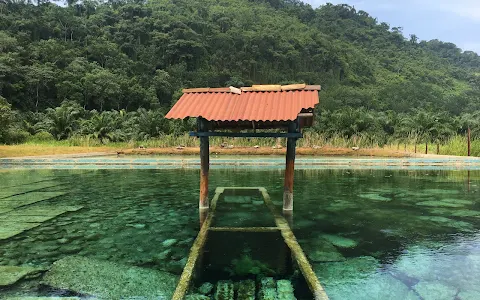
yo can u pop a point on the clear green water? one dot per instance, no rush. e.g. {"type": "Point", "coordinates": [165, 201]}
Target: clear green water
{"type": "Point", "coordinates": [370, 234]}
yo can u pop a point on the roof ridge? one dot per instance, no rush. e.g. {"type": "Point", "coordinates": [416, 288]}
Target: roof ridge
{"type": "Point", "coordinates": [256, 88]}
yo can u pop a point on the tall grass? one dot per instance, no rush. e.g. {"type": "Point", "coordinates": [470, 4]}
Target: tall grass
{"type": "Point", "coordinates": [456, 145]}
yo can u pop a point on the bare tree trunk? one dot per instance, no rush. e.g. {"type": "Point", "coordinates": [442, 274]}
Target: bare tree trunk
{"type": "Point", "coordinates": [36, 103]}
{"type": "Point", "coordinates": [438, 148]}
{"type": "Point", "coordinates": [426, 147]}
{"type": "Point", "coordinates": [415, 147]}
{"type": "Point", "coordinates": [469, 141]}
{"type": "Point", "coordinates": [405, 147]}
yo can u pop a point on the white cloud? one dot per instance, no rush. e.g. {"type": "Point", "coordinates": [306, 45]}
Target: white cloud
{"type": "Point", "coordinates": [471, 47]}
{"type": "Point", "coordinates": [464, 8]}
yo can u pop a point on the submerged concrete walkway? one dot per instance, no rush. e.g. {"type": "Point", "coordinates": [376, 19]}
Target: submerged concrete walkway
{"type": "Point", "coordinates": [105, 161]}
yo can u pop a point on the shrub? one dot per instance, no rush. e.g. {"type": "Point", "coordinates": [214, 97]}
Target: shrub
{"type": "Point", "coordinates": [16, 136]}
{"type": "Point", "coordinates": [42, 136]}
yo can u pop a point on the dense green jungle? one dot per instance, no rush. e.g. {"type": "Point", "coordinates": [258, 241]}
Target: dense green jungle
{"type": "Point", "coordinates": [109, 71]}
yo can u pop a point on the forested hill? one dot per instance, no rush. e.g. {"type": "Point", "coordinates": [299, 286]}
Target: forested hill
{"type": "Point", "coordinates": [135, 54]}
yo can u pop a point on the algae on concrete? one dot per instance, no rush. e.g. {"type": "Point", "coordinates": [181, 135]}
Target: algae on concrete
{"type": "Point", "coordinates": [246, 290]}
{"type": "Point", "coordinates": [321, 250]}
{"type": "Point", "coordinates": [435, 291]}
{"type": "Point", "coordinates": [378, 286]}
{"type": "Point", "coordinates": [108, 280]}
{"type": "Point", "coordinates": [224, 290]}
{"type": "Point", "coordinates": [267, 289]}
{"type": "Point", "coordinates": [350, 270]}
{"type": "Point", "coordinates": [10, 229]}
{"type": "Point", "coordinates": [28, 198]}
{"type": "Point", "coordinates": [11, 274]}
{"type": "Point", "coordinates": [285, 290]}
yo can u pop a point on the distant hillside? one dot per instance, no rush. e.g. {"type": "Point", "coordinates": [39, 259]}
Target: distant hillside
{"type": "Point", "coordinates": [128, 54]}
{"type": "Point", "coordinates": [140, 54]}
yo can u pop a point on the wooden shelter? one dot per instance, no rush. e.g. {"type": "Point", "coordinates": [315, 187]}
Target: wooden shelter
{"type": "Point", "coordinates": [283, 107]}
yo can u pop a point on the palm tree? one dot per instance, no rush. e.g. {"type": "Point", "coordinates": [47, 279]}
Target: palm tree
{"type": "Point", "coordinates": [408, 128]}
{"type": "Point", "coordinates": [150, 123]}
{"type": "Point", "coordinates": [62, 121]}
{"type": "Point", "coordinates": [105, 126]}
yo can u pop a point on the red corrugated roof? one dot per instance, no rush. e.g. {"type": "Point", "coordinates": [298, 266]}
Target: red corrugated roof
{"type": "Point", "coordinates": [248, 106]}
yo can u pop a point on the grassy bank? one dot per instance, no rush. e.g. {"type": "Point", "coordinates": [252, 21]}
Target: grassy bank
{"type": "Point", "coordinates": [311, 144]}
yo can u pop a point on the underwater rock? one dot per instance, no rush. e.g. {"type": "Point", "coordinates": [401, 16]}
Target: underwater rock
{"type": "Point", "coordinates": [440, 192]}
{"type": "Point", "coordinates": [63, 241]}
{"type": "Point", "coordinates": [70, 249]}
{"type": "Point", "coordinates": [11, 274]}
{"type": "Point", "coordinates": [351, 270]}
{"type": "Point", "coordinates": [197, 297]}
{"type": "Point", "coordinates": [447, 222]}
{"type": "Point", "coordinates": [137, 226]}
{"type": "Point", "coordinates": [436, 203]}
{"type": "Point", "coordinates": [42, 298]}
{"type": "Point", "coordinates": [224, 290]}
{"type": "Point", "coordinates": [418, 263]}
{"type": "Point", "coordinates": [378, 286]}
{"type": "Point", "coordinates": [468, 295]}
{"type": "Point", "coordinates": [206, 288]}
{"type": "Point", "coordinates": [340, 241]}
{"type": "Point", "coordinates": [285, 290]}
{"type": "Point", "coordinates": [169, 242]}
{"type": "Point", "coordinates": [107, 280]}
{"type": "Point", "coordinates": [304, 223]}
{"type": "Point", "coordinates": [374, 197]}
{"type": "Point", "coordinates": [460, 212]}
{"type": "Point", "coordinates": [339, 205]}
{"type": "Point", "coordinates": [176, 266]}
{"type": "Point", "coordinates": [435, 291]}
{"type": "Point", "coordinates": [320, 250]}
{"type": "Point", "coordinates": [93, 236]}
{"type": "Point", "coordinates": [164, 254]}
{"type": "Point", "coordinates": [246, 290]}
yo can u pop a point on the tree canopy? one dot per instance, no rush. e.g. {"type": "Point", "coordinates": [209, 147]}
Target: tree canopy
{"type": "Point", "coordinates": [136, 56]}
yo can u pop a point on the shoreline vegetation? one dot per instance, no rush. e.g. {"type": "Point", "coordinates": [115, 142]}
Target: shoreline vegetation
{"type": "Point", "coordinates": [313, 144]}
{"type": "Point", "coordinates": [104, 74]}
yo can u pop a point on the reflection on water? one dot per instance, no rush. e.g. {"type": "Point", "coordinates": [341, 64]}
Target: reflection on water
{"type": "Point", "coordinates": [370, 234]}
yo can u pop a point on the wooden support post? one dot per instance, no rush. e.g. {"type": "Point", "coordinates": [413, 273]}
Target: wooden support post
{"type": "Point", "coordinates": [204, 163]}
{"type": "Point", "coordinates": [289, 170]}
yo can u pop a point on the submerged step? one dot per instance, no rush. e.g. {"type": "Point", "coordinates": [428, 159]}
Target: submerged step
{"type": "Point", "coordinates": [246, 290]}
{"type": "Point", "coordinates": [266, 288]}
{"type": "Point", "coordinates": [224, 290]}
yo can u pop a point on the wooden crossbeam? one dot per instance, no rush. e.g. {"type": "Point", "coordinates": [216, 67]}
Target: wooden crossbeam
{"type": "Point", "coordinates": [249, 134]}
{"type": "Point", "coordinates": [244, 229]}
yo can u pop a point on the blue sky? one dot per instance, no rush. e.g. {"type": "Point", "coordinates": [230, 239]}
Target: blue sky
{"type": "Point", "coordinates": [455, 21]}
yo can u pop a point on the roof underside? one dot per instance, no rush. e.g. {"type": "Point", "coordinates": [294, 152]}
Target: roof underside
{"type": "Point", "coordinates": [246, 104]}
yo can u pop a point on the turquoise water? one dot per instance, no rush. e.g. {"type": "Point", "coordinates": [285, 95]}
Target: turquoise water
{"type": "Point", "coordinates": [370, 234]}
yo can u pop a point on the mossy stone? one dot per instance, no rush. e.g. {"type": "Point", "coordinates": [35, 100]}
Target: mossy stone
{"type": "Point", "coordinates": [107, 280]}
{"type": "Point", "coordinates": [340, 241]}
